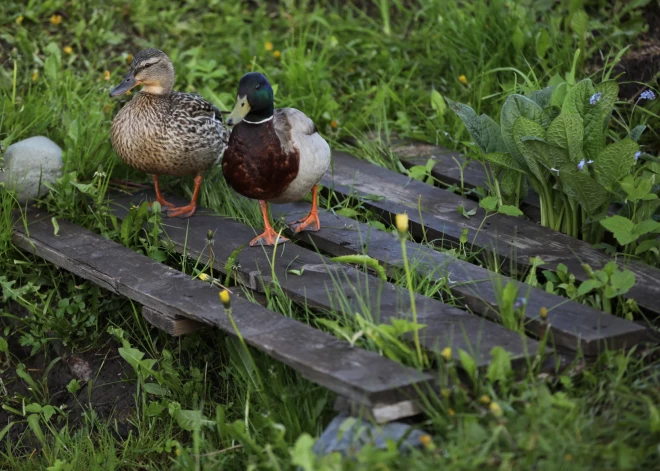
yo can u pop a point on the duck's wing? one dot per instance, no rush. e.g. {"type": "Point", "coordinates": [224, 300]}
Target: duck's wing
{"type": "Point", "coordinates": [194, 108]}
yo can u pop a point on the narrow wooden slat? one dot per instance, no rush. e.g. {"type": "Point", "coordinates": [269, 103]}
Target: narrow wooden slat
{"type": "Point", "coordinates": [322, 284]}
{"type": "Point", "coordinates": [173, 325]}
{"type": "Point", "coordinates": [572, 325]}
{"type": "Point", "coordinates": [363, 377]}
{"type": "Point", "coordinates": [509, 238]}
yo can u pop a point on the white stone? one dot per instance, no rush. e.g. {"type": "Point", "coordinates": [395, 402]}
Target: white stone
{"type": "Point", "coordinates": [30, 163]}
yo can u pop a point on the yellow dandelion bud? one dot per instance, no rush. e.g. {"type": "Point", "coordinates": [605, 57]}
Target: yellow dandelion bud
{"type": "Point", "coordinates": [446, 392]}
{"type": "Point", "coordinates": [35, 75]}
{"type": "Point", "coordinates": [484, 399]}
{"type": "Point", "coordinates": [268, 46]}
{"type": "Point", "coordinates": [426, 440]}
{"type": "Point", "coordinates": [55, 19]}
{"type": "Point", "coordinates": [107, 108]}
{"type": "Point", "coordinates": [568, 457]}
{"type": "Point", "coordinates": [451, 412]}
{"type": "Point", "coordinates": [106, 75]}
{"type": "Point", "coordinates": [68, 50]}
{"type": "Point", "coordinates": [544, 313]}
{"type": "Point", "coordinates": [446, 353]}
{"type": "Point", "coordinates": [204, 277]}
{"type": "Point", "coordinates": [177, 452]}
{"type": "Point", "coordinates": [277, 54]}
{"type": "Point", "coordinates": [334, 124]}
{"type": "Point", "coordinates": [463, 79]}
{"type": "Point", "coordinates": [129, 58]}
{"type": "Point", "coordinates": [224, 298]}
{"type": "Point", "coordinates": [19, 19]}
{"type": "Point", "coordinates": [495, 409]}
{"type": "Point", "coordinates": [401, 221]}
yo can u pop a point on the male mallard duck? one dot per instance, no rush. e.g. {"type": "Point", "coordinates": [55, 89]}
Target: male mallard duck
{"type": "Point", "coordinates": [163, 132]}
{"type": "Point", "coordinates": [273, 155]}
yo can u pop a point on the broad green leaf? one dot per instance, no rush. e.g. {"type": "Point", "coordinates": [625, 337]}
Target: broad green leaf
{"type": "Point", "coordinates": [550, 156]}
{"type": "Point", "coordinates": [155, 389]}
{"type": "Point", "coordinates": [33, 408]}
{"type": "Point", "coordinates": [583, 188]}
{"type": "Point", "coordinates": [468, 364]}
{"type": "Point", "coordinates": [577, 97]}
{"type": "Point", "coordinates": [621, 227]}
{"type": "Point", "coordinates": [596, 118]}
{"type": "Point", "coordinates": [471, 121]}
{"type": "Point", "coordinates": [491, 135]}
{"type": "Point", "coordinates": [620, 283]}
{"type": "Point", "coordinates": [636, 188]}
{"type": "Point", "coordinates": [647, 245]}
{"type": "Point", "coordinates": [541, 97]}
{"type": "Point", "coordinates": [566, 132]}
{"type": "Point", "coordinates": [524, 127]}
{"type": "Point", "coordinates": [615, 162]}
{"type": "Point", "coordinates": [191, 419]}
{"type": "Point", "coordinates": [637, 131]}
{"type": "Point", "coordinates": [154, 409]}
{"type": "Point", "coordinates": [438, 103]}
{"type": "Point", "coordinates": [132, 356]}
{"type": "Point", "coordinates": [505, 160]}
{"type": "Point", "coordinates": [588, 286]}
{"type": "Point", "coordinates": [580, 23]}
{"type": "Point", "coordinates": [33, 421]}
{"type": "Point", "coordinates": [500, 368]}
{"type": "Point", "coordinates": [514, 107]}
{"type": "Point", "coordinates": [489, 203]}
{"type": "Point", "coordinates": [645, 227]}
{"type": "Point", "coordinates": [509, 210]}
{"type": "Point", "coordinates": [542, 43]}
{"type": "Point", "coordinates": [559, 94]}
{"type": "Point", "coordinates": [302, 454]}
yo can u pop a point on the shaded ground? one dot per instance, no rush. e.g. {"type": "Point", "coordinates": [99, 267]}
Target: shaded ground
{"type": "Point", "coordinates": [105, 387]}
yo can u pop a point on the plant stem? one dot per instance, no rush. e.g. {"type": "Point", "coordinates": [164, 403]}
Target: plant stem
{"type": "Point", "coordinates": [413, 306]}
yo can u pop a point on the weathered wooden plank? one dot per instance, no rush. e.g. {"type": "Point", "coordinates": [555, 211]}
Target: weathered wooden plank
{"type": "Point", "coordinates": [173, 325]}
{"type": "Point", "coordinates": [572, 325]}
{"type": "Point", "coordinates": [508, 238]}
{"type": "Point", "coordinates": [322, 284]}
{"type": "Point", "coordinates": [363, 377]}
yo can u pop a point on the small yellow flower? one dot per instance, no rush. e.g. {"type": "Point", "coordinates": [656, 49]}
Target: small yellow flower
{"type": "Point", "coordinates": [451, 412]}
{"type": "Point", "coordinates": [106, 75]}
{"type": "Point", "coordinates": [107, 108]}
{"type": "Point", "coordinates": [446, 392]}
{"type": "Point", "coordinates": [277, 54]}
{"type": "Point", "coordinates": [463, 79]}
{"type": "Point", "coordinates": [425, 439]}
{"type": "Point", "coordinates": [177, 452]}
{"type": "Point", "coordinates": [495, 409]}
{"type": "Point", "coordinates": [129, 58]}
{"type": "Point", "coordinates": [401, 221]}
{"type": "Point", "coordinates": [446, 353]}
{"type": "Point", "coordinates": [334, 124]}
{"type": "Point", "coordinates": [224, 298]}
{"type": "Point", "coordinates": [544, 313]}
{"type": "Point", "coordinates": [68, 50]}
{"type": "Point", "coordinates": [35, 75]}
{"type": "Point", "coordinates": [204, 277]}
{"type": "Point", "coordinates": [568, 457]}
{"type": "Point", "coordinates": [484, 399]}
{"type": "Point", "coordinates": [268, 46]}
{"type": "Point", "coordinates": [19, 19]}
{"type": "Point", "coordinates": [55, 19]}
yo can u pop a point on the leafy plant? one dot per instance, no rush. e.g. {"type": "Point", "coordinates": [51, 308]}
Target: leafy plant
{"type": "Point", "coordinates": [554, 139]}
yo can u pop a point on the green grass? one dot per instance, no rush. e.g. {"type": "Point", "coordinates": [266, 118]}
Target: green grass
{"type": "Point", "coordinates": [355, 68]}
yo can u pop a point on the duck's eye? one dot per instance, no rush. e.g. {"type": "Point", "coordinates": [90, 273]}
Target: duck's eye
{"type": "Point", "coordinates": [257, 87]}
{"type": "Point", "coordinates": [146, 66]}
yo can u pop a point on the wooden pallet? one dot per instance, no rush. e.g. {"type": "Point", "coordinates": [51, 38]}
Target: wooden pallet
{"type": "Point", "coordinates": [514, 241]}
{"type": "Point", "coordinates": [313, 280]}
{"type": "Point", "coordinates": [383, 387]}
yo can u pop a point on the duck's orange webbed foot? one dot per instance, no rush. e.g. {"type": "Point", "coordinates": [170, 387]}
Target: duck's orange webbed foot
{"type": "Point", "coordinates": [159, 195]}
{"type": "Point", "coordinates": [310, 222]}
{"type": "Point", "coordinates": [269, 237]}
{"type": "Point", "coordinates": [182, 211]}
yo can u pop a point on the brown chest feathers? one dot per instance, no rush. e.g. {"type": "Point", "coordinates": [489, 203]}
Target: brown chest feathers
{"type": "Point", "coordinates": [255, 165]}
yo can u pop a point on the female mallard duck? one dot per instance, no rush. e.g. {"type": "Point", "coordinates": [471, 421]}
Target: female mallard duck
{"type": "Point", "coordinates": [163, 132]}
{"type": "Point", "coordinates": [273, 155]}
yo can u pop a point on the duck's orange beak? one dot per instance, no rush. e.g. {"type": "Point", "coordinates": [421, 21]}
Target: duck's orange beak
{"type": "Point", "coordinates": [128, 83]}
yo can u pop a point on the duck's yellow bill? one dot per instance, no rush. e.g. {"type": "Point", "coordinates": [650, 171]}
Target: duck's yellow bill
{"type": "Point", "coordinates": [240, 111]}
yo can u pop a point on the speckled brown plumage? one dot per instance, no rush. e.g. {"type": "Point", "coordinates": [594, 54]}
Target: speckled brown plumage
{"type": "Point", "coordinates": [256, 165]}
{"type": "Point", "coordinates": [173, 134]}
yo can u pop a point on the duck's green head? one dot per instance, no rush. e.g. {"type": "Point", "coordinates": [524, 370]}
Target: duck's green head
{"type": "Point", "coordinates": [254, 102]}
{"type": "Point", "coordinates": [150, 68]}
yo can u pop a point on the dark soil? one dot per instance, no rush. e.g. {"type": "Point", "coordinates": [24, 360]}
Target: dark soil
{"type": "Point", "coordinates": [109, 392]}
